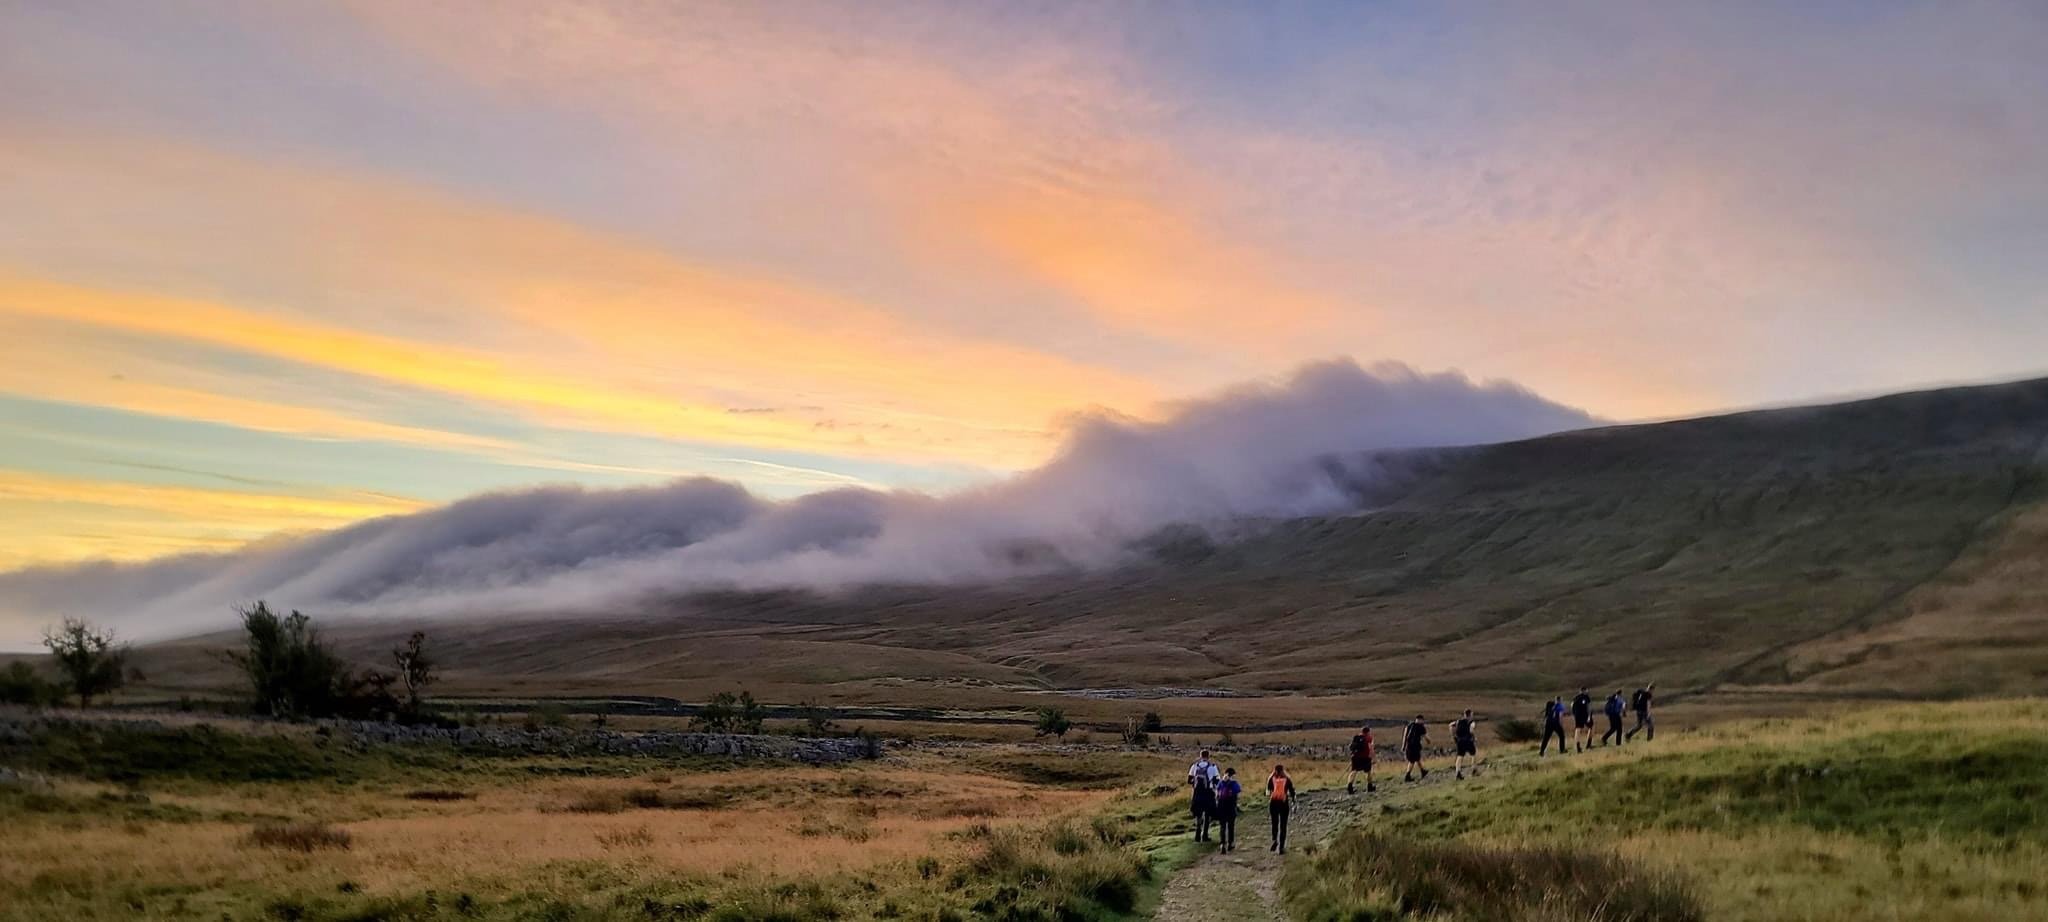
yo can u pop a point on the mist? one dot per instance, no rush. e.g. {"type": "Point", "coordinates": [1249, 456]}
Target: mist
{"type": "Point", "coordinates": [1293, 447]}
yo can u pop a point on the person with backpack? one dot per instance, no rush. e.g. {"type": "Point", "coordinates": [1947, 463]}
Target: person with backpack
{"type": "Point", "coordinates": [1203, 776]}
{"type": "Point", "coordinates": [1227, 792]}
{"type": "Point", "coordinates": [1411, 747]}
{"type": "Point", "coordinates": [1553, 723]}
{"type": "Point", "coordinates": [1465, 740]}
{"type": "Point", "coordinates": [1644, 725]}
{"type": "Point", "coordinates": [1615, 708]}
{"type": "Point", "coordinates": [1361, 761]}
{"type": "Point", "coordinates": [1582, 720]}
{"type": "Point", "coordinates": [1279, 794]}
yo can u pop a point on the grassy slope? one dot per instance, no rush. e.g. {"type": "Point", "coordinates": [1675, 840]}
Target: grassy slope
{"type": "Point", "coordinates": [1907, 812]}
{"type": "Point", "coordinates": [1785, 550]}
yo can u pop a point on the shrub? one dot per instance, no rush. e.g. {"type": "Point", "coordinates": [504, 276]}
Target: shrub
{"type": "Point", "coordinates": [1366, 876]}
{"type": "Point", "coordinates": [1153, 723]}
{"type": "Point", "coordinates": [21, 684]}
{"type": "Point", "coordinates": [727, 712]}
{"type": "Point", "coordinates": [1517, 730]}
{"type": "Point", "coordinates": [819, 719]}
{"type": "Point", "coordinates": [292, 673]}
{"type": "Point", "coordinates": [1134, 732]}
{"type": "Point", "coordinates": [545, 716]}
{"type": "Point", "coordinates": [299, 837]}
{"type": "Point", "coordinates": [1053, 721]}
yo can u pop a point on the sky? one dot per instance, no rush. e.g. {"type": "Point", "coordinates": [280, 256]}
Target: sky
{"type": "Point", "coordinates": [283, 267]}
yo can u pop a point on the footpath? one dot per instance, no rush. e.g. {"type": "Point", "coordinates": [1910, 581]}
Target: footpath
{"type": "Point", "coordinates": [1244, 885]}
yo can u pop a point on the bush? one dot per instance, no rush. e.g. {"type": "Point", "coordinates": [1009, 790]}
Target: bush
{"type": "Point", "coordinates": [1053, 721]}
{"type": "Point", "coordinates": [1153, 723]}
{"type": "Point", "coordinates": [292, 673]}
{"type": "Point", "coordinates": [299, 837]}
{"type": "Point", "coordinates": [1366, 876]}
{"type": "Point", "coordinates": [1134, 732]}
{"type": "Point", "coordinates": [730, 713]}
{"type": "Point", "coordinates": [21, 684]}
{"type": "Point", "coordinates": [819, 719]}
{"type": "Point", "coordinates": [1517, 730]}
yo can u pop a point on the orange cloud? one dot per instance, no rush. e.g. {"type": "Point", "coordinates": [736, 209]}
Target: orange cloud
{"type": "Point", "coordinates": [45, 519]}
{"type": "Point", "coordinates": [571, 327]}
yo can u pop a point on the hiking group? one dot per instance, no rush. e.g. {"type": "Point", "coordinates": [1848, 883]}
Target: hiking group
{"type": "Point", "coordinates": [1217, 790]}
{"type": "Point", "coordinates": [1582, 719]}
{"type": "Point", "coordinates": [1216, 795]}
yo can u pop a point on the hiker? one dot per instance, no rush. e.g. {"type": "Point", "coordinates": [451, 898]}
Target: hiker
{"type": "Point", "coordinates": [1204, 807]}
{"type": "Point", "coordinates": [1203, 776]}
{"type": "Point", "coordinates": [1615, 708]}
{"type": "Point", "coordinates": [1279, 793]}
{"type": "Point", "coordinates": [1644, 725]}
{"type": "Point", "coordinates": [1553, 722]}
{"type": "Point", "coordinates": [1361, 761]}
{"type": "Point", "coordinates": [1466, 742]}
{"type": "Point", "coordinates": [1582, 721]}
{"type": "Point", "coordinates": [1227, 792]}
{"type": "Point", "coordinates": [1411, 746]}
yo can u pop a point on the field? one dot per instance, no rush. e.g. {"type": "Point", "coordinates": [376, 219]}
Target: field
{"type": "Point", "coordinates": [1929, 811]}
{"type": "Point", "coordinates": [1924, 812]}
{"type": "Point", "coordinates": [201, 824]}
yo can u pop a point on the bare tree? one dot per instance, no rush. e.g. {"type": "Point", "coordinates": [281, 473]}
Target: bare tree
{"type": "Point", "coordinates": [93, 664]}
{"type": "Point", "coordinates": [415, 670]}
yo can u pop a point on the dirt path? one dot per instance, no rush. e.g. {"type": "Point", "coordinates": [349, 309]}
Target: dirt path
{"type": "Point", "coordinates": [1244, 886]}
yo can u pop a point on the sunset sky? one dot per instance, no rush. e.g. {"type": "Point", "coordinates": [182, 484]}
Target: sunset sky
{"type": "Point", "coordinates": [283, 266]}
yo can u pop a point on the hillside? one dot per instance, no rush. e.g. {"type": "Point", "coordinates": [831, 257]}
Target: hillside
{"type": "Point", "coordinates": [1891, 546]}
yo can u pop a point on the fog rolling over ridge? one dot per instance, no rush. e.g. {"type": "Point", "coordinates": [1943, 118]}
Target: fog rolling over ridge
{"type": "Point", "coordinates": [1257, 450]}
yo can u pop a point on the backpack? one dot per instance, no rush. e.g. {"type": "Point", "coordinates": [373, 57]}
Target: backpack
{"type": "Point", "coordinates": [1358, 745]}
{"type": "Point", "coordinates": [1462, 729]}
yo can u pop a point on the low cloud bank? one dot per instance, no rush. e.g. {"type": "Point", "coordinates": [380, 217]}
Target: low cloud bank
{"type": "Point", "coordinates": [1295, 447]}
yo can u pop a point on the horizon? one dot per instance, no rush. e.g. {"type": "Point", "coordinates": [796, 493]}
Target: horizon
{"type": "Point", "coordinates": [290, 270]}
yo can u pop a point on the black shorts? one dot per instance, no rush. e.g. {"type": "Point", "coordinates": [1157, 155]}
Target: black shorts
{"type": "Point", "coordinates": [1414, 753]}
{"type": "Point", "coordinates": [1468, 747]}
{"type": "Point", "coordinates": [1361, 763]}
{"type": "Point", "coordinates": [1583, 723]}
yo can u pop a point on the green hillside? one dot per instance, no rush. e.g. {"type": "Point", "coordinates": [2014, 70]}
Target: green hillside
{"type": "Point", "coordinates": [1892, 546]}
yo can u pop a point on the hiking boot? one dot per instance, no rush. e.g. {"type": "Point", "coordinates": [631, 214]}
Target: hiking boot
{"type": "Point", "coordinates": [1371, 788]}
{"type": "Point", "coordinates": [1461, 776]}
{"type": "Point", "coordinates": [1351, 787]}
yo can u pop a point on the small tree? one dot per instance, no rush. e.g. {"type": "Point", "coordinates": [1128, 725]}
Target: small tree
{"type": "Point", "coordinates": [819, 719]}
{"type": "Point", "coordinates": [1153, 722]}
{"type": "Point", "coordinates": [1053, 722]}
{"type": "Point", "coordinates": [750, 715]}
{"type": "Point", "coordinates": [717, 715]}
{"type": "Point", "coordinates": [1134, 732]}
{"type": "Point", "coordinates": [415, 670]}
{"type": "Point", "coordinates": [90, 660]}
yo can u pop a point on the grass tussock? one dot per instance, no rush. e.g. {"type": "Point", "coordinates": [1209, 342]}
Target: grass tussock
{"type": "Point", "coordinates": [1363, 876]}
{"type": "Point", "coordinates": [300, 837]}
{"type": "Point", "coordinates": [1062, 872]}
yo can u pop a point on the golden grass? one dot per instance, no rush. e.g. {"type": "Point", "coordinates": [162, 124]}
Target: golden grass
{"type": "Point", "coordinates": [775, 822]}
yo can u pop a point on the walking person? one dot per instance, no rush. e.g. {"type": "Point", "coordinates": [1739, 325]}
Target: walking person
{"type": "Point", "coordinates": [1615, 708]}
{"type": "Point", "coordinates": [1361, 761]}
{"type": "Point", "coordinates": [1202, 777]}
{"type": "Point", "coordinates": [1279, 794]}
{"type": "Point", "coordinates": [1644, 724]}
{"type": "Point", "coordinates": [1411, 747]}
{"type": "Point", "coordinates": [1227, 792]}
{"type": "Point", "coordinates": [1465, 740]}
{"type": "Point", "coordinates": [1582, 721]}
{"type": "Point", "coordinates": [1553, 723]}
{"type": "Point", "coordinates": [1204, 807]}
